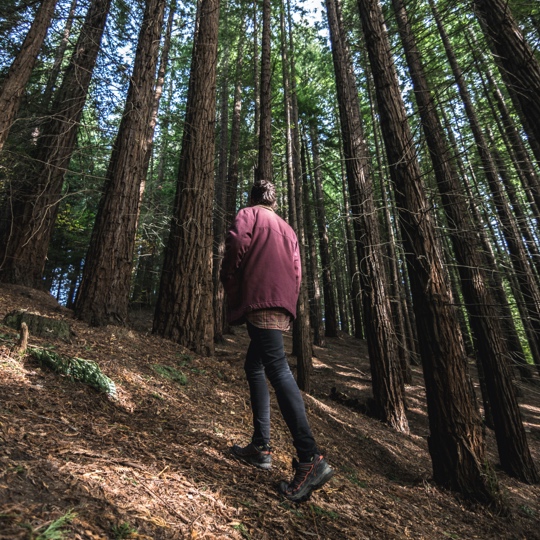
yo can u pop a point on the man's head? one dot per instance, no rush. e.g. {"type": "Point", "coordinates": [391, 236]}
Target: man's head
{"type": "Point", "coordinates": [264, 192]}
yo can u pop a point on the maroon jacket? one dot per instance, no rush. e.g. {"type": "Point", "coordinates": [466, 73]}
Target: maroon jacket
{"type": "Point", "coordinates": [261, 266]}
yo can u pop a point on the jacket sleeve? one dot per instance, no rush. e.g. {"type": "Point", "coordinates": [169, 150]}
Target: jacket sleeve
{"type": "Point", "coordinates": [237, 244]}
{"type": "Point", "coordinates": [297, 267]}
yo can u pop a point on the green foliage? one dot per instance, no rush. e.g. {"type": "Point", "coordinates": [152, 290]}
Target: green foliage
{"type": "Point", "coordinates": [321, 512]}
{"type": "Point", "coordinates": [352, 475]}
{"type": "Point", "coordinates": [77, 369]}
{"type": "Point", "coordinates": [54, 530]}
{"type": "Point", "coordinates": [124, 530]}
{"type": "Point", "coordinates": [170, 373]}
{"type": "Point", "coordinates": [527, 510]}
{"type": "Point", "coordinates": [184, 358]}
{"type": "Point", "coordinates": [242, 529]}
{"type": "Point", "coordinates": [293, 509]}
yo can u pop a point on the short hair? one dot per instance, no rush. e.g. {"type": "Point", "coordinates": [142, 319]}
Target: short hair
{"type": "Point", "coordinates": [264, 192]}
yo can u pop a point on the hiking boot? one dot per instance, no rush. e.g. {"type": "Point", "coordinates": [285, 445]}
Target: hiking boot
{"type": "Point", "coordinates": [307, 478]}
{"type": "Point", "coordinates": [259, 456]}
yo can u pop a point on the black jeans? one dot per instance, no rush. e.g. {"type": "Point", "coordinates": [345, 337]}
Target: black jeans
{"type": "Point", "coordinates": [266, 358]}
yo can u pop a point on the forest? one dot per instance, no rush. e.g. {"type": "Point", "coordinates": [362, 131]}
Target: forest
{"type": "Point", "coordinates": [404, 140]}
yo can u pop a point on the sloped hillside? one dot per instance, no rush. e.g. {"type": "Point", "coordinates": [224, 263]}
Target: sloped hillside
{"type": "Point", "coordinates": [153, 462]}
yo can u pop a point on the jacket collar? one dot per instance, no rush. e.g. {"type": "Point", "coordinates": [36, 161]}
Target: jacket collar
{"type": "Point", "coordinates": [264, 206]}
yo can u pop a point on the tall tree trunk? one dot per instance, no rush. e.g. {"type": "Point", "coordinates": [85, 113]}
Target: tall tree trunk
{"type": "Point", "coordinates": [302, 342]}
{"type": "Point", "coordinates": [516, 248]}
{"type": "Point", "coordinates": [491, 349]}
{"type": "Point", "coordinates": [510, 333]}
{"type": "Point", "coordinates": [13, 85]}
{"type": "Point", "coordinates": [103, 296]}
{"type": "Point", "coordinates": [184, 307]}
{"type": "Point", "coordinates": [234, 151]}
{"type": "Point", "coordinates": [55, 72]}
{"type": "Point", "coordinates": [30, 213]}
{"type": "Point", "coordinates": [402, 323]}
{"type": "Point", "coordinates": [339, 271]}
{"type": "Point", "coordinates": [455, 443]}
{"type": "Point", "coordinates": [388, 390]}
{"type": "Point", "coordinates": [315, 301]}
{"type": "Point", "coordinates": [517, 61]}
{"type": "Point", "coordinates": [264, 167]}
{"type": "Point", "coordinates": [220, 203]}
{"type": "Point", "coordinates": [158, 89]}
{"type": "Point", "coordinates": [354, 272]}
{"type": "Point", "coordinates": [256, 74]}
{"type": "Point", "coordinates": [330, 319]}
{"type": "Point", "coordinates": [144, 281]}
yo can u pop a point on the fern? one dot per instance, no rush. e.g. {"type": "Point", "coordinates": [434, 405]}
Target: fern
{"type": "Point", "coordinates": [54, 530]}
{"type": "Point", "coordinates": [77, 369]}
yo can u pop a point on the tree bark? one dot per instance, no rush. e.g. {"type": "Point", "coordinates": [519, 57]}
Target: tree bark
{"type": "Point", "coordinates": [388, 390]}
{"type": "Point", "coordinates": [13, 86]}
{"type": "Point", "coordinates": [264, 168]}
{"type": "Point", "coordinates": [30, 212]}
{"type": "Point", "coordinates": [516, 248]}
{"type": "Point", "coordinates": [302, 342]}
{"type": "Point", "coordinates": [455, 443]}
{"type": "Point", "coordinates": [184, 307]}
{"type": "Point", "coordinates": [234, 150]}
{"type": "Point", "coordinates": [330, 318]}
{"type": "Point", "coordinates": [402, 323]}
{"type": "Point", "coordinates": [220, 203]}
{"type": "Point", "coordinates": [354, 272]}
{"type": "Point", "coordinates": [314, 286]}
{"type": "Point", "coordinates": [518, 64]}
{"type": "Point", "coordinates": [103, 296]}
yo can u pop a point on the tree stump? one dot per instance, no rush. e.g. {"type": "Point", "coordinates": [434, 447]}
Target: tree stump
{"type": "Point", "coordinates": [39, 325]}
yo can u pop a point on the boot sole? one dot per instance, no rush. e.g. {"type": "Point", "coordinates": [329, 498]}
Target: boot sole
{"type": "Point", "coordinates": [263, 466]}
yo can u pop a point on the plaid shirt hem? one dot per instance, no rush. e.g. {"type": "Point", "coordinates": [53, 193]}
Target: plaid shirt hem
{"type": "Point", "coordinates": [270, 319]}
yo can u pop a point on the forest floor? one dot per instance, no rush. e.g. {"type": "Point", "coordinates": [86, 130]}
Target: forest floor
{"type": "Point", "coordinates": [154, 462]}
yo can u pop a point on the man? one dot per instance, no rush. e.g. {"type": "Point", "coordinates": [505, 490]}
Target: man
{"type": "Point", "coordinates": [261, 275]}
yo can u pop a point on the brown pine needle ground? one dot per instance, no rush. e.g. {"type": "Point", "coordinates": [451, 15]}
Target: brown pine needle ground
{"type": "Point", "coordinates": [154, 463]}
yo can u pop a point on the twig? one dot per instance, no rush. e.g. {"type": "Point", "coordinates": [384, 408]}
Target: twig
{"type": "Point", "coordinates": [63, 422]}
{"type": "Point", "coordinates": [165, 503]}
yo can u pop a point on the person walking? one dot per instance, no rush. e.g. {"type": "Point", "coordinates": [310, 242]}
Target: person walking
{"type": "Point", "coordinates": [261, 274]}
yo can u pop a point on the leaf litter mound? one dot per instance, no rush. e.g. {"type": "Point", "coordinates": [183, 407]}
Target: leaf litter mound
{"type": "Point", "coordinates": [153, 462]}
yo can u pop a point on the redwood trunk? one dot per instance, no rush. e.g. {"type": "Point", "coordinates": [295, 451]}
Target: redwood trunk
{"type": "Point", "coordinates": [314, 287]}
{"type": "Point", "coordinates": [184, 308]}
{"type": "Point", "coordinates": [330, 318]}
{"type": "Point", "coordinates": [104, 293]}
{"type": "Point", "coordinates": [302, 344]}
{"type": "Point", "coordinates": [264, 169]}
{"type": "Point", "coordinates": [388, 391]}
{"type": "Point", "coordinates": [31, 212]}
{"type": "Point", "coordinates": [517, 61]}
{"type": "Point", "coordinates": [455, 443]}
{"type": "Point", "coordinates": [13, 86]}
{"type": "Point", "coordinates": [491, 349]}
